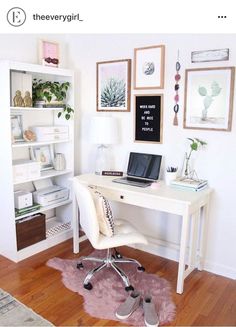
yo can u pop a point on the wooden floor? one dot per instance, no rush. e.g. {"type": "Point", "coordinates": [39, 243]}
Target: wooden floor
{"type": "Point", "coordinates": [208, 299]}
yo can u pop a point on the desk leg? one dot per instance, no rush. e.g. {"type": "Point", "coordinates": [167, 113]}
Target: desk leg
{"type": "Point", "coordinates": [193, 240]}
{"type": "Point", "coordinates": [182, 254]}
{"type": "Point", "coordinates": [75, 226]}
{"type": "Point", "coordinates": [204, 226]}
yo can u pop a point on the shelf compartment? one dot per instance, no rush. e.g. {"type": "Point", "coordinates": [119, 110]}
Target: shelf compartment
{"type": "Point", "coordinates": [27, 144]}
{"type": "Point", "coordinates": [46, 174]}
{"type": "Point", "coordinates": [54, 227]}
{"type": "Point", "coordinates": [43, 209]}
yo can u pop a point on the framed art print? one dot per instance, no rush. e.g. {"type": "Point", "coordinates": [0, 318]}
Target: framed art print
{"type": "Point", "coordinates": [149, 63]}
{"type": "Point", "coordinates": [113, 85]}
{"type": "Point", "coordinates": [17, 128]}
{"type": "Point", "coordinates": [49, 53]}
{"type": "Point", "coordinates": [209, 98]}
{"type": "Point", "coordinates": [43, 154]}
{"type": "Point", "coordinates": [148, 118]}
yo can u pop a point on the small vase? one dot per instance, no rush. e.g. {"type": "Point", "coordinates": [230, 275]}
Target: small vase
{"type": "Point", "coordinates": [59, 161]}
{"type": "Point", "coordinates": [187, 167]}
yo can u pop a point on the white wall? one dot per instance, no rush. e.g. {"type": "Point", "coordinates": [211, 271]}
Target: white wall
{"type": "Point", "coordinates": [217, 162]}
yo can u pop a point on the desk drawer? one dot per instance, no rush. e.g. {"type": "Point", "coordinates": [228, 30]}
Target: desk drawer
{"type": "Point", "coordinates": [149, 201]}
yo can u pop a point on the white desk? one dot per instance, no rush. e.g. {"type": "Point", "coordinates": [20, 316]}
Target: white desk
{"type": "Point", "coordinates": [191, 206]}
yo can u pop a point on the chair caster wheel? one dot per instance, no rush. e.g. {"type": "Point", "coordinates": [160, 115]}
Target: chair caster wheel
{"type": "Point", "coordinates": [129, 288]}
{"type": "Point", "coordinates": [80, 265]}
{"type": "Point", "coordinates": [119, 256]}
{"type": "Point", "coordinates": [141, 268]}
{"type": "Point", "coordinates": [88, 286]}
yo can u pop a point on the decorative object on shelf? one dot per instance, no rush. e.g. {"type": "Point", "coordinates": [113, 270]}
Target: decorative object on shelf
{"type": "Point", "coordinates": [20, 81]}
{"type": "Point", "coordinates": [17, 128]}
{"type": "Point", "coordinates": [148, 118]}
{"type": "Point", "coordinates": [171, 174]}
{"type": "Point", "coordinates": [209, 98]}
{"type": "Point", "coordinates": [23, 199]}
{"type": "Point", "coordinates": [210, 55]}
{"type": "Point", "coordinates": [52, 94]}
{"type": "Point", "coordinates": [59, 161]}
{"type": "Point", "coordinates": [27, 99]}
{"type": "Point", "coordinates": [49, 53]}
{"type": "Point", "coordinates": [103, 132]}
{"type": "Point", "coordinates": [113, 85]}
{"type": "Point", "coordinates": [112, 173]}
{"type": "Point", "coordinates": [195, 145]}
{"type": "Point", "coordinates": [43, 154]}
{"type": "Point", "coordinates": [149, 63]}
{"type": "Point", "coordinates": [176, 98]}
{"type": "Point", "coordinates": [29, 136]}
{"type": "Point", "coordinates": [18, 100]}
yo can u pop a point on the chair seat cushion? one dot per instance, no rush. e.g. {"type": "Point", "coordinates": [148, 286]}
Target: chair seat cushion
{"type": "Point", "coordinates": [124, 234]}
{"type": "Point", "coordinates": [104, 213]}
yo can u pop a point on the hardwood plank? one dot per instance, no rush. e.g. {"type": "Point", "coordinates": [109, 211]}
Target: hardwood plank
{"type": "Point", "coordinates": [208, 299]}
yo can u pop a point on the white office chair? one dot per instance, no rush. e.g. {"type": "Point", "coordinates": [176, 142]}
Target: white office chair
{"type": "Point", "coordinates": [124, 234]}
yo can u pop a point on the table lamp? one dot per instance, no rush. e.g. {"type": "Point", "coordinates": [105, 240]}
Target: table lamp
{"type": "Point", "coordinates": [103, 131]}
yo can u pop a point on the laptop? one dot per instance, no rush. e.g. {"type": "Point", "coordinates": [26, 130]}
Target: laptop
{"type": "Point", "coordinates": [143, 169]}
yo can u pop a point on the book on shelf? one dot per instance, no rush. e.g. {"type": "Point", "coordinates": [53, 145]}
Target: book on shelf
{"type": "Point", "coordinates": [189, 183]}
{"type": "Point", "coordinates": [24, 211]}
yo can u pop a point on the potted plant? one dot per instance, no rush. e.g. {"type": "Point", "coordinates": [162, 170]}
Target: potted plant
{"type": "Point", "coordinates": [194, 146]}
{"type": "Point", "coordinates": [51, 93]}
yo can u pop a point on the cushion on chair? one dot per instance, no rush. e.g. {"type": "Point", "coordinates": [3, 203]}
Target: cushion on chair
{"type": "Point", "coordinates": [104, 213]}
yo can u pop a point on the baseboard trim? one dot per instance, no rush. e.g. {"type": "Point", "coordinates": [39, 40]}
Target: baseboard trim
{"type": "Point", "coordinates": [170, 251]}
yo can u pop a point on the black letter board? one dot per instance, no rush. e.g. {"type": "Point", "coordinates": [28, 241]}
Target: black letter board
{"type": "Point", "coordinates": [148, 118]}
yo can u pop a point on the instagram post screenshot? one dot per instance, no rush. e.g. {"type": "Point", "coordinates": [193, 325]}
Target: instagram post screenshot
{"type": "Point", "coordinates": [118, 163]}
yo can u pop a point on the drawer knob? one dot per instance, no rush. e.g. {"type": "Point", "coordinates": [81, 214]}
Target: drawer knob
{"type": "Point", "coordinates": [121, 197]}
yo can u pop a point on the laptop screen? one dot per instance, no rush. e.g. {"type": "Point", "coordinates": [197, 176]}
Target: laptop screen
{"type": "Point", "coordinates": [144, 165]}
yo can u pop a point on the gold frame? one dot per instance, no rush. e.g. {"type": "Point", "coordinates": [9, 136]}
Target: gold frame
{"type": "Point", "coordinates": [161, 118]}
{"type": "Point", "coordinates": [228, 114]}
{"type": "Point", "coordinates": [162, 67]}
{"type": "Point", "coordinates": [128, 80]}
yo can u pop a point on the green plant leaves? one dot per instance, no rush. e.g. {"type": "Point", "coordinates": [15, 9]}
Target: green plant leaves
{"type": "Point", "coordinates": [202, 91]}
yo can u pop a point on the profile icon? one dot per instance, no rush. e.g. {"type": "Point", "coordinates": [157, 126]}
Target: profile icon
{"type": "Point", "coordinates": [16, 16]}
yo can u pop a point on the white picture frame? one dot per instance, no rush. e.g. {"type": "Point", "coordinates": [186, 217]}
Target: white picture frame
{"type": "Point", "coordinates": [43, 154]}
{"type": "Point", "coordinates": [17, 128]}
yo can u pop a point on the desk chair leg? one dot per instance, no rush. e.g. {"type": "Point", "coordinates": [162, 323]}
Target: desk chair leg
{"type": "Point", "coordinates": [88, 285]}
{"type": "Point", "coordinates": [125, 279]}
{"type": "Point", "coordinates": [127, 260]}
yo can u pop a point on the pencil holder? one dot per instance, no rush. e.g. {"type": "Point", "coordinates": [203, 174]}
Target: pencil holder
{"type": "Point", "coordinates": [170, 176]}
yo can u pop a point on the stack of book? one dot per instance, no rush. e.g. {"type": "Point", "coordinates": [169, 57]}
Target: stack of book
{"type": "Point", "coordinates": [24, 211]}
{"type": "Point", "coordinates": [189, 183]}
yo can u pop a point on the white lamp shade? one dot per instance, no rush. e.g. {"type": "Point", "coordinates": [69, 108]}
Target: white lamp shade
{"type": "Point", "coordinates": [103, 130]}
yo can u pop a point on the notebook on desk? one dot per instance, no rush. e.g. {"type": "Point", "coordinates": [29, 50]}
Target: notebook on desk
{"type": "Point", "coordinates": [143, 169]}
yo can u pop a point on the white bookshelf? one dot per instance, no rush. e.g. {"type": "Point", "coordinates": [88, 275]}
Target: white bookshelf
{"type": "Point", "coordinates": [58, 215]}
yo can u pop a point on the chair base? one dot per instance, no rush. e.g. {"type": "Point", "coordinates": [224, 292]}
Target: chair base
{"type": "Point", "coordinates": [109, 261]}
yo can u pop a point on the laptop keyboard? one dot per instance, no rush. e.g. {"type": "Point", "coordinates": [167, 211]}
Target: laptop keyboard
{"type": "Point", "coordinates": [132, 181]}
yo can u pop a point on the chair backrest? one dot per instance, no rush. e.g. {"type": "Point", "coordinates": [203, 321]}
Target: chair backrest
{"type": "Point", "coordinates": [87, 210]}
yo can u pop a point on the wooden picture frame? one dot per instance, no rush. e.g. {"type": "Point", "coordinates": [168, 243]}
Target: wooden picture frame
{"type": "Point", "coordinates": [49, 53]}
{"type": "Point", "coordinates": [209, 96]}
{"type": "Point", "coordinates": [149, 66]}
{"type": "Point", "coordinates": [113, 85]}
{"type": "Point", "coordinates": [43, 154]}
{"type": "Point", "coordinates": [148, 118]}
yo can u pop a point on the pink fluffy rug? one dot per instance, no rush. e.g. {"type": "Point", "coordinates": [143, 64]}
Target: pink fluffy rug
{"type": "Point", "coordinates": [108, 289]}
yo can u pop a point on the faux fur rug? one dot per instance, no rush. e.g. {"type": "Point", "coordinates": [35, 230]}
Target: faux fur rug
{"type": "Point", "coordinates": [108, 289]}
